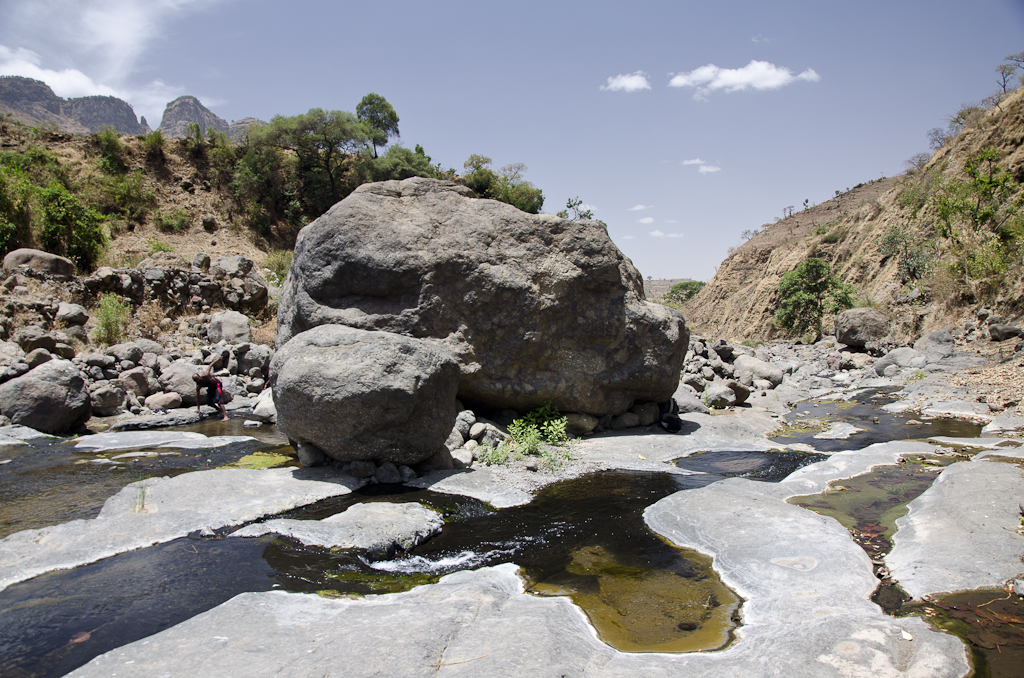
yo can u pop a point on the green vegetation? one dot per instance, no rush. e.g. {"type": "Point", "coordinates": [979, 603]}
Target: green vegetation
{"type": "Point", "coordinates": [111, 150]}
{"type": "Point", "coordinates": [572, 206]}
{"type": "Point", "coordinates": [158, 246]}
{"type": "Point", "coordinates": [808, 292]}
{"type": "Point", "coordinates": [684, 291]}
{"type": "Point", "coordinates": [69, 228]}
{"type": "Point", "coordinates": [540, 432]}
{"type": "Point", "coordinates": [172, 221]}
{"type": "Point", "coordinates": [913, 260]}
{"type": "Point", "coordinates": [154, 143]}
{"type": "Point", "coordinates": [506, 185]}
{"type": "Point", "coordinates": [981, 223]}
{"type": "Point", "coordinates": [112, 314]}
{"type": "Point", "coordinates": [279, 262]}
{"type": "Point", "coordinates": [126, 195]}
{"type": "Point", "coordinates": [379, 119]}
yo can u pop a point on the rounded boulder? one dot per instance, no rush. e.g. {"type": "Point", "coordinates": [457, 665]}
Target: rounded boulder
{"type": "Point", "coordinates": [52, 398]}
{"type": "Point", "coordinates": [365, 395]}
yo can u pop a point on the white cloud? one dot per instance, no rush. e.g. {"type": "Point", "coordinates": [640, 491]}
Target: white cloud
{"type": "Point", "coordinates": [639, 208]}
{"type": "Point", "coordinates": [758, 75]}
{"type": "Point", "coordinates": [629, 237]}
{"type": "Point", "coordinates": [693, 161]}
{"type": "Point", "coordinates": [104, 39]}
{"type": "Point", "coordinates": [656, 234]}
{"type": "Point", "coordinates": [708, 169]}
{"type": "Point", "coordinates": [629, 82]}
{"type": "Point", "coordinates": [646, 220]}
{"type": "Point", "coordinates": [760, 40]}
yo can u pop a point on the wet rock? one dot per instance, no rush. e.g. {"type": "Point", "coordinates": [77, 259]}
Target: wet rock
{"type": "Point", "coordinates": [388, 473]}
{"type": "Point", "coordinates": [365, 395]}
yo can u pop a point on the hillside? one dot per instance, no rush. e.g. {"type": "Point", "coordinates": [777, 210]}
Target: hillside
{"type": "Point", "coordinates": [847, 231]}
{"type": "Point", "coordinates": [33, 103]}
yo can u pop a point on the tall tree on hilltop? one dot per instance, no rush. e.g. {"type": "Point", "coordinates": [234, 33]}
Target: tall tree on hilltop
{"type": "Point", "coordinates": [380, 119]}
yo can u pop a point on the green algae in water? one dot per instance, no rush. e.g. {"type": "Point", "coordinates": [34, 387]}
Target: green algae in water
{"type": "Point", "coordinates": [991, 624]}
{"type": "Point", "coordinates": [636, 609]}
{"type": "Point", "coordinates": [868, 505]}
{"type": "Point", "coordinates": [273, 458]}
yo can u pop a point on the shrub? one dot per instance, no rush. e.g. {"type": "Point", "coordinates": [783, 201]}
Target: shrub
{"type": "Point", "coordinates": [158, 246]}
{"type": "Point", "coordinates": [111, 150]}
{"type": "Point", "coordinates": [146, 320]}
{"type": "Point", "coordinates": [15, 212]}
{"type": "Point", "coordinates": [684, 291]}
{"type": "Point", "coordinates": [128, 195]}
{"type": "Point", "coordinates": [154, 143]}
{"type": "Point", "coordinates": [172, 221]}
{"type": "Point", "coordinates": [279, 262]}
{"type": "Point", "coordinates": [69, 228]}
{"type": "Point", "coordinates": [808, 292]}
{"type": "Point", "coordinates": [111, 314]}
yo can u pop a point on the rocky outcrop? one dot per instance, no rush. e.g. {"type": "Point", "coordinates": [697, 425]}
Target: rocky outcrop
{"type": "Point", "coordinates": [534, 307]}
{"type": "Point", "coordinates": [33, 102]}
{"type": "Point", "coordinates": [52, 398]}
{"type": "Point", "coordinates": [186, 110]}
{"type": "Point", "coordinates": [362, 395]}
{"type": "Point", "coordinates": [238, 129]}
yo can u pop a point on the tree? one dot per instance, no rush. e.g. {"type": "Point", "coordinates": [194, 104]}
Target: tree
{"type": "Point", "coordinates": [379, 118]}
{"type": "Point", "coordinates": [321, 140]}
{"type": "Point", "coordinates": [506, 185]}
{"type": "Point", "coordinates": [573, 205]}
{"type": "Point", "coordinates": [684, 291]}
{"type": "Point", "coordinates": [398, 163]}
{"type": "Point", "coordinates": [1005, 73]}
{"type": "Point", "coordinates": [808, 292]}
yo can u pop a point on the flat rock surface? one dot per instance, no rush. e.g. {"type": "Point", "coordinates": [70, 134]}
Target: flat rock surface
{"type": "Point", "coordinates": [807, 610]}
{"type": "Point", "coordinates": [961, 533]}
{"type": "Point", "coordinates": [161, 509]}
{"type": "Point", "coordinates": [479, 482]}
{"type": "Point", "coordinates": [377, 526]}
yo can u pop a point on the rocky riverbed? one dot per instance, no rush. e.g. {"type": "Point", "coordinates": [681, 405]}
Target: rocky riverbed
{"type": "Point", "coordinates": [806, 584]}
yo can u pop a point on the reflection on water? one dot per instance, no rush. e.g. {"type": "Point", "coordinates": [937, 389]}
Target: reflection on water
{"type": "Point", "coordinates": [766, 466]}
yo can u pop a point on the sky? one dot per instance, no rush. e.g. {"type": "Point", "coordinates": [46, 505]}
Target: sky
{"type": "Point", "coordinates": [681, 124]}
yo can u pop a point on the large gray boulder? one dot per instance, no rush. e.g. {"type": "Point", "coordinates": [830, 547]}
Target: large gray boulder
{"type": "Point", "coordinates": [177, 378]}
{"type": "Point", "coordinates": [229, 326]}
{"type": "Point", "coordinates": [52, 398]}
{"type": "Point", "coordinates": [858, 326]}
{"type": "Point", "coordinates": [361, 395]}
{"type": "Point", "coordinates": [37, 260]}
{"type": "Point", "coordinates": [534, 307]}
{"type": "Point", "coordinates": [901, 357]}
{"type": "Point", "coordinates": [936, 345]}
{"type": "Point", "coordinates": [759, 369]}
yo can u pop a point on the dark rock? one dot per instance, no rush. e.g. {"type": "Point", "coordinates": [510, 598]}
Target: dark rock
{"type": "Point", "coordinates": [50, 398]}
{"type": "Point", "coordinates": [857, 326]}
{"type": "Point", "coordinates": [535, 307]}
{"type": "Point", "coordinates": [365, 395]}
{"type": "Point", "coordinates": [1000, 332]}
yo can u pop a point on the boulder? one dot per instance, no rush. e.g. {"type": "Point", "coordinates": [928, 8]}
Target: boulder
{"type": "Point", "coordinates": [361, 395]}
{"type": "Point", "coordinates": [139, 381]}
{"type": "Point", "coordinates": [899, 357]}
{"type": "Point", "coordinates": [741, 391]}
{"type": "Point", "coordinates": [37, 260]}
{"type": "Point", "coordinates": [52, 398]}
{"type": "Point", "coordinates": [177, 378]}
{"type": "Point", "coordinates": [1000, 332]}
{"type": "Point", "coordinates": [229, 326]}
{"type": "Point", "coordinates": [32, 337]}
{"type": "Point", "coordinates": [936, 345]}
{"type": "Point", "coordinates": [129, 351]}
{"type": "Point", "coordinates": [687, 401]}
{"type": "Point", "coordinates": [858, 326]}
{"type": "Point", "coordinates": [163, 401]}
{"type": "Point", "coordinates": [107, 399]}
{"type": "Point", "coordinates": [718, 395]}
{"type": "Point", "coordinates": [759, 370]}
{"type": "Point", "coordinates": [71, 314]}
{"type": "Point", "coordinates": [534, 307]}
{"type": "Point", "coordinates": [264, 409]}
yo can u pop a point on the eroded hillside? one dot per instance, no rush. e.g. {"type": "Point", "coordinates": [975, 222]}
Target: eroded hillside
{"type": "Point", "coordinates": [847, 231]}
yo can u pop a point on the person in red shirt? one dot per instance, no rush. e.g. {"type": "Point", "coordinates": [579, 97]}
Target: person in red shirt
{"type": "Point", "coordinates": [214, 391]}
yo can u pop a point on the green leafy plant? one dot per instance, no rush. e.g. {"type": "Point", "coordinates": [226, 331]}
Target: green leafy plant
{"type": "Point", "coordinates": [112, 314]}
{"type": "Point", "coordinates": [279, 262]}
{"type": "Point", "coordinates": [158, 246]}
{"type": "Point", "coordinates": [69, 228]}
{"type": "Point", "coordinates": [808, 292]}
{"type": "Point", "coordinates": [680, 293]}
{"type": "Point", "coordinates": [127, 195]}
{"type": "Point", "coordinates": [153, 144]}
{"type": "Point", "coordinates": [912, 261]}
{"type": "Point", "coordinates": [172, 221]}
{"type": "Point", "coordinates": [112, 151]}
{"type": "Point", "coordinates": [572, 206]}
{"type": "Point", "coordinates": [15, 208]}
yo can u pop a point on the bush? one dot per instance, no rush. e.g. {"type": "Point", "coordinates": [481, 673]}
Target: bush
{"type": "Point", "coordinates": [808, 292]}
{"type": "Point", "coordinates": [111, 314]}
{"type": "Point", "coordinates": [69, 228]}
{"type": "Point", "coordinates": [172, 221]}
{"type": "Point", "coordinates": [279, 262]}
{"type": "Point", "coordinates": [684, 291]}
{"type": "Point", "coordinates": [111, 150]}
{"type": "Point", "coordinates": [128, 195]}
{"type": "Point", "coordinates": [158, 246]}
{"type": "Point", "coordinates": [154, 143]}
{"type": "Point", "coordinates": [15, 211]}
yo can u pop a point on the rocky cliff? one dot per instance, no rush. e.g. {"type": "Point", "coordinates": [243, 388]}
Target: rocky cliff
{"type": "Point", "coordinates": [740, 300]}
{"type": "Point", "coordinates": [186, 110]}
{"type": "Point", "coordinates": [33, 103]}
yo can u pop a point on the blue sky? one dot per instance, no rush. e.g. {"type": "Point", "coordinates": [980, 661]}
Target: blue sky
{"type": "Point", "coordinates": [681, 123]}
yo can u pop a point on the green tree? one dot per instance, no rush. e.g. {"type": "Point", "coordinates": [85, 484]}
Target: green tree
{"type": "Point", "coordinates": [379, 118]}
{"type": "Point", "coordinates": [398, 163]}
{"type": "Point", "coordinates": [512, 188]}
{"type": "Point", "coordinates": [573, 205]}
{"type": "Point", "coordinates": [684, 291]}
{"type": "Point", "coordinates": [69, 228]}
{"type": "Point", "coordinates": [808, 292]}
{"type": "Point", "coordinates": [321, 140]}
